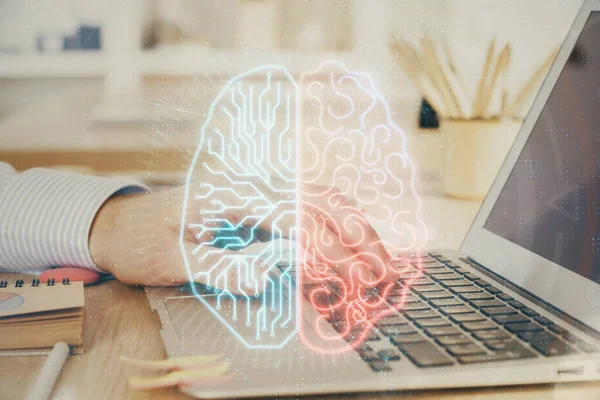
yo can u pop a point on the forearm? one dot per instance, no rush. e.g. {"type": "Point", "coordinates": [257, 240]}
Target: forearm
{"type": "Point", "coordinates": [46, 217]}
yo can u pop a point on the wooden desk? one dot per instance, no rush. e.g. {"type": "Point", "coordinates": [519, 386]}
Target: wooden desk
{"type": "Point", "coordinates": [119, 321]}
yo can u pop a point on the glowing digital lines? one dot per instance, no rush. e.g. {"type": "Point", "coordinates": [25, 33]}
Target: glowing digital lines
{"type": "Point", "coordinates": [243, 182]}
{"type": "Point", "coordinates": [348, 127]}
{"type": "Point", "coordinates": [247, 183]}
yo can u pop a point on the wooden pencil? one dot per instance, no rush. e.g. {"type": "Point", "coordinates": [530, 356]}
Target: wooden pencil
{"type": "Point", "coordinates": [481, 87]}
{"type": "Point", "coordinates": [495, 86]}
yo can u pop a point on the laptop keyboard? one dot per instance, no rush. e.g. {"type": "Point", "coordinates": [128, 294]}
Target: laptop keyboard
{"type": "Point", "coordinates": [454, 316]}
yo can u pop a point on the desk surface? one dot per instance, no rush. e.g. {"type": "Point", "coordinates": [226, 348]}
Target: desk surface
{"type": "Point", "coordinates": [119, 321]}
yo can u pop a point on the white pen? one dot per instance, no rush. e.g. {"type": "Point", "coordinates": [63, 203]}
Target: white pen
{"type": "Point", "coordinates": [42, 388]}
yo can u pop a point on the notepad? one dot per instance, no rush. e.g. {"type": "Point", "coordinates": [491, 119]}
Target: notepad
{"type": "Point", "coordinates": [34, 316]}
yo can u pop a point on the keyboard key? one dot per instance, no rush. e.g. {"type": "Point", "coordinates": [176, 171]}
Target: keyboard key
{"type": "Point", "coordinates": [379, 365]}
{"type": "Point", "coordinates": [399, 291]}
{"type": "Point", "coordinates": [414, 306]}
{"type": "Point", "coordinates": [456, 310]}
{"type": "Point", "coordinates": [444, 260]}
{"type": "Point", "coordinates": [493, 335]}
{"type": "Point", "coordinates": [453, 340]}
{"type": "Point", "coordinates": [409, 274]}
{"type": "Point", "coordinates": [529, 312]}
{"type": "Point", "coordinates": [453, 266]}
{"type": "Point", "coordinates": [476, 296]}
{"type": "Point", "coordinates": [407, 338]}
{"type": "Point", "coordinates": [389, 355]}
{"type": "Point", "coordinates": [493, 290]}
{"type": "Point", "coordinates": [471, 276]}
{"type": "Point", "coordinates": [373, 312]}
{"type": "Point", "coordinates": [507, 319]}
{"type": "Point", "coordinates": [391, 331]}
{"type": "Point", "coordinates": [417, 257]}
{"type": "Point", "coordinates": [483, 358]}
{"type": "Point", "coordinates": [514, 354]}
{"type": "Point", "coordinates": [516, 304]}
{"type": "Point", "coordinates": [442, 331]}
{"type": "Point", "coordinates": [470, 317]}
{"type": "Point", "coordinates": [463, 350]}
{"type": "Point", "coordinates": [528, 336]}
{"type": "Point", "coordinates": [369, 355]}
{"type": "Point", "coordinates": [392, 320]}
{"type": "Point", "coordinates": [421, 314]}
{"type": "Point", "coordinates": [409, 298]}
{"type": "Point", "coordinates": [436, 270]}
{"type": "Point", "coordinates": [431, 322]}
{"type": "Point", "coordinates": [372, 337]}
{"type": "Point", "coordinates": [558, 329]}
{"type": "Point", "coordinates": [542, 320]}
{"type": "Point", "coordinates": [505, 297]}
{"type": "Point", "coordinates": [428, 264]}
{"type": "Point", "coordinates": [481, 283]}
{"type": "Point", "coordinates": [459, 270]}
{"type": "Point", "coordinates": [478, 326]}
{"type": "Point", "coordinates": [358, 330]}
{"type": "Point", "coordinates": [436, 295]}
{"type": "Point", "coordinates": [523, 327]}
{"type": "Point", "coordinates": [465, 289]}
{"type": "Point", "coordinates": [504, 345]}
{"type": "Point", "coordinates": [486, 303]}
{"type": "Point", "coordinates": [417, 282]}
{"type": "Point", "coordinates": [498, 311]}
{"type": "Point", "coordinates": [455, 283]}
{"type": "Point", "coordinates": [500, 344]}
{"type": "Point", "coordinates": [515, 350]}
{"type": "Point", "coordinates": [446, 277]}
{"type": "Point", "coordinates": [425, 354]}
{"type": "Point", "coordinates": [453, 301]}
{"type": "Point", "coordinates": [552, 347]}
{"type": "Point", "coordinates": [425, 288]}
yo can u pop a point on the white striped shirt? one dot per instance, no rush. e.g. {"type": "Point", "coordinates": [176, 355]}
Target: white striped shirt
{"type": "Point", "coordinates": [46, 216]}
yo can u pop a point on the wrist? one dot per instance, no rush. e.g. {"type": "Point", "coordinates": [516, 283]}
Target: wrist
{"type": "Point", "coordinates": [102, 229]}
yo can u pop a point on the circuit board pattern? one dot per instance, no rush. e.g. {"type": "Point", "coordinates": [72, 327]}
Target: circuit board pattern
{"type": "Point", "coordinates": [242, 187]}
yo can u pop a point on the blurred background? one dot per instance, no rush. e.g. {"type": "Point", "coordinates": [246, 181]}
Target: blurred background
{"type": "Point", "coordinates": [121, 87]}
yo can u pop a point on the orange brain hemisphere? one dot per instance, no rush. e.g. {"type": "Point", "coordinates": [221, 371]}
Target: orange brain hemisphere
{"type": "Point", "coordinates": [350, 143]}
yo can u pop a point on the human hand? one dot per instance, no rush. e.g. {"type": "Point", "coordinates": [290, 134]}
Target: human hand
{"type": "Point", "coordinates": [137, 239]}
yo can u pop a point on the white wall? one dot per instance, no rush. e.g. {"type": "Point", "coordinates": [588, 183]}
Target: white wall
{"type": "Point", "coordinates": [21, 21]}
{"type": "Point", "coordinates": [533, 27]}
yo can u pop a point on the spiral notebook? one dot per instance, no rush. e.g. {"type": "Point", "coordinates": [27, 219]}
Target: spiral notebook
{"type": "Point", "coordinates": [34, 316]}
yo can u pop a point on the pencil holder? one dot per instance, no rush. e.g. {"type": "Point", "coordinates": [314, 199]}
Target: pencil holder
{"type": "Point", "coordinates": [474, 151]}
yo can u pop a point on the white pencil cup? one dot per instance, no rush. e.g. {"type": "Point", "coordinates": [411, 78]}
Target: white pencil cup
{"type": "Point", "coordinates": [474, 152]}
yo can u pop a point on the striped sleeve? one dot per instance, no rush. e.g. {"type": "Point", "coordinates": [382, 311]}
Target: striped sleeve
{"type": "Point", "coordinates": [46, 216]}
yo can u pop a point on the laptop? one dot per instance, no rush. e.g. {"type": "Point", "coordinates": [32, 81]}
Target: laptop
{"type": "Point", "coordinates": [518, 304]}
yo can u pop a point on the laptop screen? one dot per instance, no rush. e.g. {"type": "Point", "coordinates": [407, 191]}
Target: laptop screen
{"type": "Point", "coordinates": [550, 204]}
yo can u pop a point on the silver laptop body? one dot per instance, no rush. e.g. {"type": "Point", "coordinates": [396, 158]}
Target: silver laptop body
{"type": "Point", "coordinates": [547, 324]}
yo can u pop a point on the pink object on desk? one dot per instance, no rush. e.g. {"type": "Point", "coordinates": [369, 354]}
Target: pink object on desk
{"type": "Point", "coordinates": [88, 277]}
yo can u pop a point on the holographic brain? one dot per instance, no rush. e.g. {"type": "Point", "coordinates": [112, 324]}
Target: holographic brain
{"type": "Point", "coordinates": [278, 159]}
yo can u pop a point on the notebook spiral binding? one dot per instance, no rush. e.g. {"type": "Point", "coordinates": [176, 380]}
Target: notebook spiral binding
{"type": "Point", "coordinates": [34, 282]}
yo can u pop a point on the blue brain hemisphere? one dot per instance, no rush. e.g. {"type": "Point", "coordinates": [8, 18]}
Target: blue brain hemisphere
{"type": "Point", "coordinates": [243, 187]}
